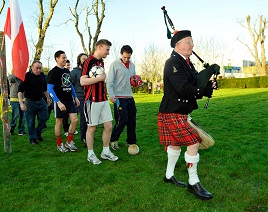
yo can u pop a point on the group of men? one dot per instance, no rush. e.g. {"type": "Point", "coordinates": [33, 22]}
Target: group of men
{"type": "Point", "coordinates": [75, 91]}
{"type": "Point", "coordinates": [179, 100]}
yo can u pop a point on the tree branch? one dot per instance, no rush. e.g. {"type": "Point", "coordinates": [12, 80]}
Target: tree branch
{"type": "Point", "coordinates": [99, 20]}
{"type": "Point", "coordinates": [43, 26]}
{"type": "Point", "coordinates": [2, 6]}
{"type": "Point", "coordinates": [76, 25]}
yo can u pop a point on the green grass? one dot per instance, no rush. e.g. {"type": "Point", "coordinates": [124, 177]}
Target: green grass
{"type": "Point", "coordinates": [39, 178]}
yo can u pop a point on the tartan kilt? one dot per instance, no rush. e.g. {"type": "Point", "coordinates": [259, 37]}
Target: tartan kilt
{"type": "Point", "coordinates": [173, 129]}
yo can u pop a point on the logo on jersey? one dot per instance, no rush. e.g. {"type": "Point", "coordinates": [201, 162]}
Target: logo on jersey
{"type": "Point", "coordinates": [66, 80]}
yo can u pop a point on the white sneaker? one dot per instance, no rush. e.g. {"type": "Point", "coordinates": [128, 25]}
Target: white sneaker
{"type": "Point", "coordinates": [110, 156]}
{"type": "Point", "coordinates": [93, 159]}
{"type": "Point", "coordinates": [71, 146]}
{"type": "Point", "coordinates": [62, 149]}
{"type": "Point", "coordinates": [66, 134]}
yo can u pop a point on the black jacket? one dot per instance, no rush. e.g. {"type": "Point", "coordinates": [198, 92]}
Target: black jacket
{"type": "Point", "coordinates": [180, 90]}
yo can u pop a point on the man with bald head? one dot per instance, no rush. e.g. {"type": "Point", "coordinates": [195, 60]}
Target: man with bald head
{"type": "Point", "coordinates": [34, 87]}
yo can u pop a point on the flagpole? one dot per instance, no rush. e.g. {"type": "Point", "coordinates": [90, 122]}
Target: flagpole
{"type": "Point", "coordinates": [4, 95]}
{"type": "Point", "coordinates": [3, 42]}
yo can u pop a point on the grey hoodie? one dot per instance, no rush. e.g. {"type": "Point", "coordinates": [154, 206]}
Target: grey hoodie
{"type": "Point", "coordinates": [14, 83]}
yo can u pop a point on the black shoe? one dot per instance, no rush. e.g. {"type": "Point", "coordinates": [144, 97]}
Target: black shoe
{"type": "Point", "coordinates": [40, 138]}
{"type": "Point", "coordinates": [33, 142]}
{"type": "Point", "coordinates": [199, 191]}
{"type": "Point", "coordinates": [11, 131]}
{"type": "Point", "coordinates": [174, 181]}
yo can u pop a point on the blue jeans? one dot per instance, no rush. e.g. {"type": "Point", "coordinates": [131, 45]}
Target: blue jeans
{"type": "Point", "coordinates": [17, 113]}
{"type": "Point", "coordinates": [39, 109]}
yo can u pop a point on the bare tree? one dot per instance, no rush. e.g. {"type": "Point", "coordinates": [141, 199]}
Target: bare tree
{"type": "Point", "coordinates": [152, 65]}
{"type": "Point", "coordinates": [2, 6]}
{"type": "Point", "coordinates": [209, 50]}
{"type": "Point", "coordinates": [99, 15]}
{"type": "Point", "coordinates": [258, 39]}
{"type": "Point", "coordinates": [115, 50]}
{"type": "Point", "coordinates": [72, 47]}
{"type": "Point", "coordinates": [43, 24]}
{"type": "Point", "coordinates": [48, 56]}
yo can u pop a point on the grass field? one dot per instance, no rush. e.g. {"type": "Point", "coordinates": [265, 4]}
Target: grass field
{"type": "Point", "coordinates": [39, 178]}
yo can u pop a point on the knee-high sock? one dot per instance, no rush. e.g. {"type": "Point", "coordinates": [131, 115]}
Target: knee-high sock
{"type": "Point", "coordinates": [58, 140]}
{"type": "Point", "coordinates": [191, 163]}
{"type": "Point", "coordinates": [173, 156]}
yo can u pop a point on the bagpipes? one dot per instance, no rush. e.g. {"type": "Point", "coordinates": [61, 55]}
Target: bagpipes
{"type": "Point", "coordinates": [203, 80]}
{"type": "Point", "coordinates": [203, 77]}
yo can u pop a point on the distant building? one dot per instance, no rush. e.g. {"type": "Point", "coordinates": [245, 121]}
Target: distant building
{"type": "Point", "coordinates": [232, 71]}
{"type": "Point", "coordinates": [248, 63]}
{"type": "Point", "coordinates": [248, 69]}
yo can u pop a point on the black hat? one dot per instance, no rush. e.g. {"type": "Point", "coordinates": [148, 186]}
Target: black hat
{"type": "Point", "coordinates": [178, 36]}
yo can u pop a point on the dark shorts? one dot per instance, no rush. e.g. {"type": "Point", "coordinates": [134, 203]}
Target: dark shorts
{"type": "Point", "coordinates": [70, 108]}
{"type": "Point", "coordinates": [173, 129]}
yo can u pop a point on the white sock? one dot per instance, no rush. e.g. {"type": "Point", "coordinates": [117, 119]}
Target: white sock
{"type": "Point", "coordinates": [106, 150]}
{"type": "Point", "coordinates": [173, 156]}
{"type": "Point", "coordinates": [90, 152]}
{"type": "Point", "coordinates": [192, 170]}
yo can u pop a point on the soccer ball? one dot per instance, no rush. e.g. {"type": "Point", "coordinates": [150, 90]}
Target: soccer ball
{"type": "Point", "coordinates": [96, 71]}
{"type": "Point", "coordinates": [133, 149]}
{"type": "Point", "coordinates": [136, 81]}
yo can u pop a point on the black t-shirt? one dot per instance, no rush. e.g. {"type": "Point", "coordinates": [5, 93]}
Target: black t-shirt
{"type": "Point", "coordinates": [61, 79]}
{"type": "Point", "coordinates": [33, 86]}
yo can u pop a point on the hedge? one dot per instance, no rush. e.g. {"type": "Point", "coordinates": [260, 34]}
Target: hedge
{"type": "Point", "coordinates": [251, 82]}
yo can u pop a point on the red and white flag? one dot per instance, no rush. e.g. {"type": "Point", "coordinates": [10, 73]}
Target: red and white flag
{"type": "Point", "coordinates": [14, 29]}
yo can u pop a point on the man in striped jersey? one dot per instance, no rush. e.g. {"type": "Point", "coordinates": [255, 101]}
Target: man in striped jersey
{"type": "Point", "coordinates": [97, 109]}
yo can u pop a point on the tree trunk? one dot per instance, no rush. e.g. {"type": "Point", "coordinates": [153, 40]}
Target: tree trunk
{"type": "Point", "coordinates": [39, 47]}
{"type": "Point", "coordinates": [258, 37]}
{"type": "Point", "coordinates": [262, 40]}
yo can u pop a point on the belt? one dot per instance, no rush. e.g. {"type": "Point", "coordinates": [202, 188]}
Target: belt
{"type": "Point", "coordinates": [14, 99]}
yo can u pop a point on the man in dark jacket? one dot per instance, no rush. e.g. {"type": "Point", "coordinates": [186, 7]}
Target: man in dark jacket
{"type": "Point", "coordinates": [34, 87]}
{"type": "Point", "coordinates": [179, 100]}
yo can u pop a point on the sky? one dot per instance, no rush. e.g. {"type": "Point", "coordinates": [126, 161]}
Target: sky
{"type": "Point", "coordinates": [140, 23]}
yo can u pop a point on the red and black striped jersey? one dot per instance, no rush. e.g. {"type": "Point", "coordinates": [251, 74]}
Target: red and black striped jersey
{"type": "Point", "coordinates": [97, 91]}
